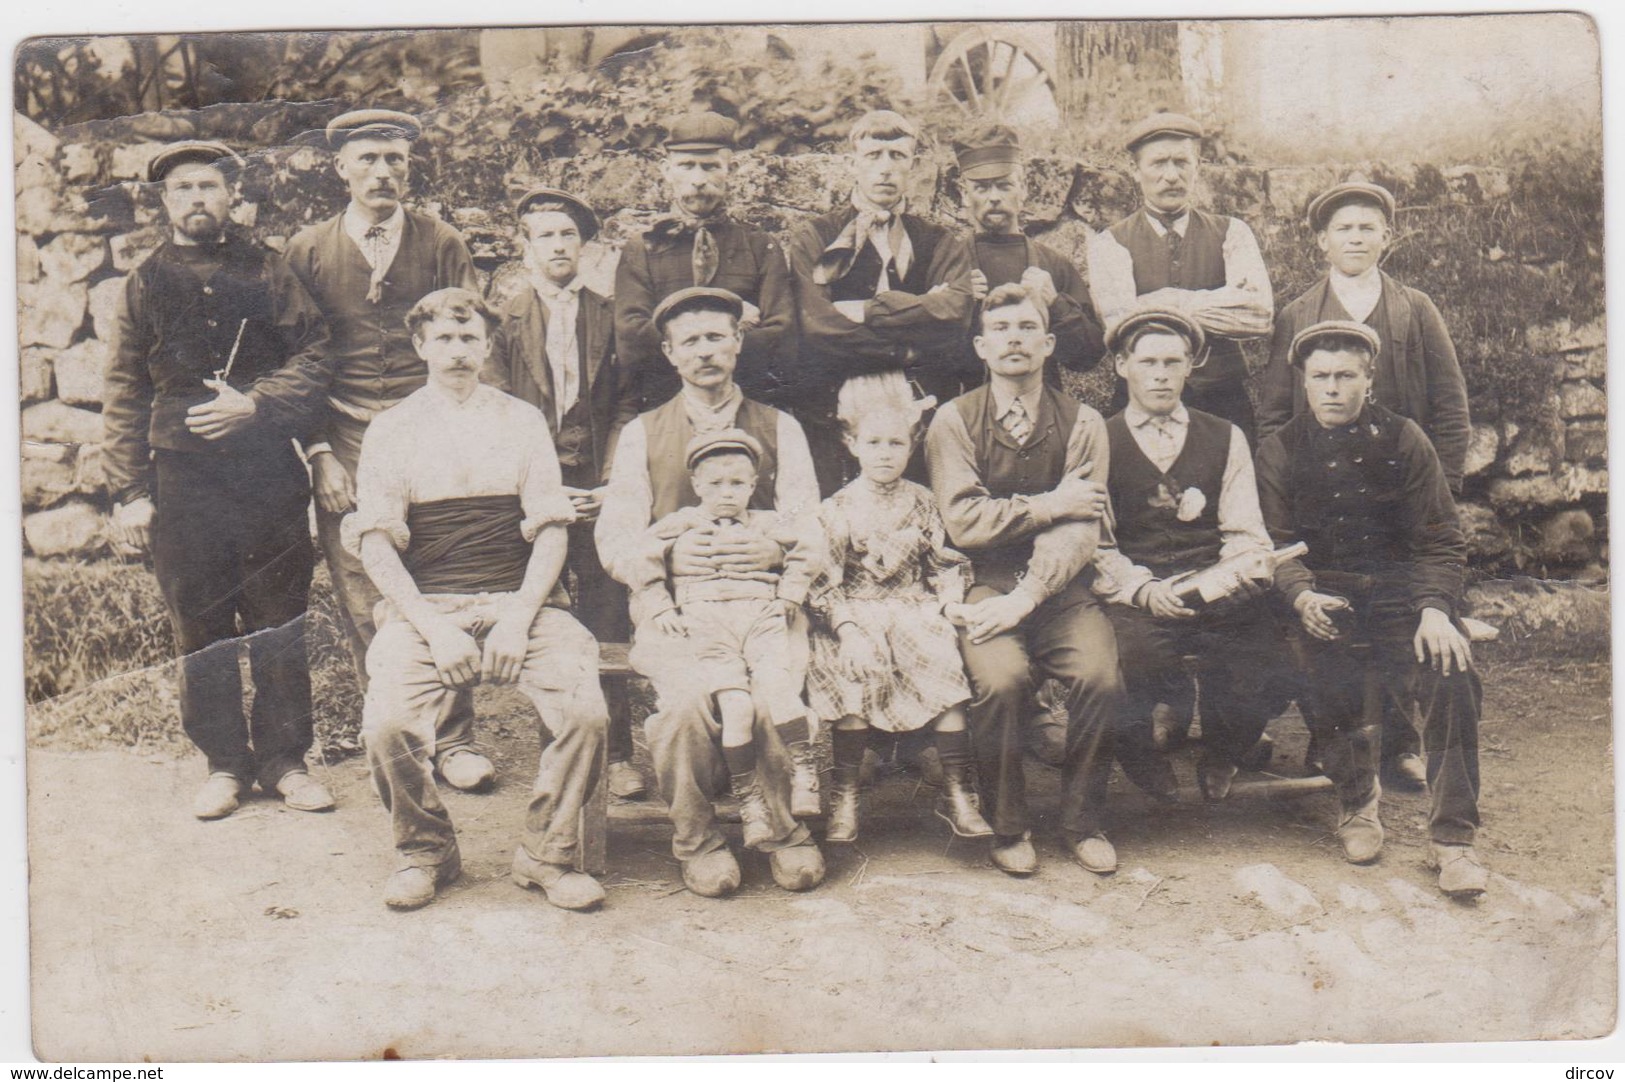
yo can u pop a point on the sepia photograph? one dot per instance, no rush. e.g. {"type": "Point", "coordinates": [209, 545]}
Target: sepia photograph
{"type": "Point", "coordinates": [713, 539]}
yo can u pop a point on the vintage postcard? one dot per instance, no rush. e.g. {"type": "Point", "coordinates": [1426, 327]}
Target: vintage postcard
{"type": "Point", "coordinates": [686, 539]}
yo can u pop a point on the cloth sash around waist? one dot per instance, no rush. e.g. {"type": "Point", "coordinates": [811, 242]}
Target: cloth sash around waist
{"type": "Point", "coordinates": [467, 545]}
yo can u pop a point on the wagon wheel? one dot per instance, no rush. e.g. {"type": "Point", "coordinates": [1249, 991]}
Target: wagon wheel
{"type": "Point", "coordinates": [986, 69]}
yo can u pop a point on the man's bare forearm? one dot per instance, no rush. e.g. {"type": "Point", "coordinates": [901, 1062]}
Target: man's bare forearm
{"type": "Point", "coordinates": [394, 582]}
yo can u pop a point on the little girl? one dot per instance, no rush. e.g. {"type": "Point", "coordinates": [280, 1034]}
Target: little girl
{"type": "Point", "coordinates": [882, 652]}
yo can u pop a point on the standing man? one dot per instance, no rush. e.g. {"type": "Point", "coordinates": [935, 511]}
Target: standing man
{"type": "Point", "coordinates": [877, 289]}
{"type": "Point", "coordinates": [649, 481]}
{"type": "Point", "coordinates": [366, 267]}
{"type": "Point", "coordinates": [554, 347]}
{"type": "Point", "coordinates": [1416, 374]}
{"type": "Point", "coordinates": [699, 245]}
{"type": "Point", "coordinates": [220, 363]}
{"type": "Point", "coordinates": [1378, 594]}
{"type": "Point", "coordinates": [1168, 254]}
{"type": "Point", "coordinates": [1183, 498]}
{"type": "Point", "coordinates": [460, 521]}
{"type": "Point", "coordinates": [994, 188]}
{"type": "Point", "coordinates": [1019, 470]}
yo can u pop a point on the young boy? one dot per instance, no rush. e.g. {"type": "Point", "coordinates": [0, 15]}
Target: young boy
{"type": "Point", "coordinates": [736, 621]}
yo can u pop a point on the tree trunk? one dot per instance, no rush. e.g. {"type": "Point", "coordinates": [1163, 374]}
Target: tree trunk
{"type": "Point", "coordinates": [1118, 70]}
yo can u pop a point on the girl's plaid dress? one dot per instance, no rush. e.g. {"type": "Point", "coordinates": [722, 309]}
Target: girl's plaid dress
{"type": "Point", "coordinates": [887, 569]}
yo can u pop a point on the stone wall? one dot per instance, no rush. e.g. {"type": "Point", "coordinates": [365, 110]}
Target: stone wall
{"type": "Point", "coordinates": [1538, 486]}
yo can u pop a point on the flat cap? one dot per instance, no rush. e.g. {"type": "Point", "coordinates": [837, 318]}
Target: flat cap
{"type": "Point", "coordinates": [722, 441]}
{"type": "Point", "coordinates": [993, 152]}
{"type": "Point", "coordinates": [702, 131]}
{"type": "Point", "coordinates": [193, 150]}
{"type": "Point", "coordinates": [1322, 206]}
{"type": "Point", "coordinates": [1304, 342]}
{"type": "Point", "coordinates": [1169, 319]}
{"type": "Point", "coordinates": [376, 123]}
{"type": "Point", "coordinates": [1162, 125]}
{"type": "Point", "coordinates": [576, 208]}
{"type": "Point", "coordinates": [697, 299]}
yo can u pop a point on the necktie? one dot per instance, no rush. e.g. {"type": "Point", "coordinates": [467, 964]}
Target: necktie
{"type": "Point", "coordinates": [705, 255]}
{"type": "Point", "coordinates": [1017, 422]}
{"type": "Point", "coordinates": [374, 236]}
{"type": "Point", "coordinates": [561, 347]}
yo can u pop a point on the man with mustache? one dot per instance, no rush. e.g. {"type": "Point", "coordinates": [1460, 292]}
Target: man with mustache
{"type": "Point", "coordinates": [220, 362]}
{"type": "Point", "coordinates": [1019, 470]}
{"type": "Point", "coordinates": [554, 346]}
{"type": "Point", "coordinates": [1417, 375]}
{"type": "Point", "coordinates": [1364, 489]}
{"type": "Point", "coordinates": [648, 481]}
{"type": "Point", "coordinates": [1169, 254]}
{"type": "Point", "coordinates": [878, 289]}
{"type": "Point", "coordinates": [366, 267]}
{"type": "Point", "coordinates": [994, 190]}
{"type": "Point", "coordinates": [698, 244]}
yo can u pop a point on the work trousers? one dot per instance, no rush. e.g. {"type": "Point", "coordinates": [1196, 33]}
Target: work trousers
{"type": "Point", "coordinates": [1373, 670]}
{"type": "Point", "coordinates": [1067, 638]}
{"type": "Point", "coordinates": [357, 597]}
{"type": "Point", "coordinates": [685, 741]}
{"type": "Point", "coordinates": [407, 708]}
{"type": "Point", "coordinates": [1243, 669]}
{"type": "Point", "coordinates": [231, 549]}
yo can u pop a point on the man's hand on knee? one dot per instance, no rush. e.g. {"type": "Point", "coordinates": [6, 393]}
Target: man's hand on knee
{"type": "Point", "coordinates": [505, 649]}
{"type": "Point", "coordinates": [994, 616]}
{"type": "Point", "coordinates": [456, 655]}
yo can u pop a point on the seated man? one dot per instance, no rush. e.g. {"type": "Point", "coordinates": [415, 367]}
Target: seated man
{"type": "Point", "coordinates": [1183, 498]}
{"type": "Point", "coordinates": [1378, 593]}
{"type": "Point", "coordinates": [649, 480]}
{"type": "Point", "coordinates": [1018, 468]}
{"type": "Point", "coordinates": [460, 522]}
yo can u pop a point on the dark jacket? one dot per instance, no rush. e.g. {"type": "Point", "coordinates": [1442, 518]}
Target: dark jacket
{"type": "Point", "coordinates": [177, 323]}
{"type": "Point", "coordinates": [1417, 374]}
{"type": "Point", "coordinates": [518, 365]}
{"type": "Point", "coordinates": [1079, 341]}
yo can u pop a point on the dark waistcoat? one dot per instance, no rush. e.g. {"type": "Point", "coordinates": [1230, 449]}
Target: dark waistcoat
{"type": "Point", "coordinates": [1145, 499]}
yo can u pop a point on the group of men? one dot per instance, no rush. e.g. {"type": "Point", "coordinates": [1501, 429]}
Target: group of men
{"type": "Point", "coordinates": [482, 481]}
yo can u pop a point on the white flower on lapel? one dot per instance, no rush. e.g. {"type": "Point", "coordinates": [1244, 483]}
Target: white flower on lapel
{"type": "Point", "coordinates": [1191, 502]}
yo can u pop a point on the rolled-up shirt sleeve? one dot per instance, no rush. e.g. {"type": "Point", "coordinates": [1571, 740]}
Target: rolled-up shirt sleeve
{"type": "Point", "coordinates": [1111, 277]}
{"type": "Point", "coordinates": [541, 488]}
{"type": "Point", "coordinates": [382, 493]}
{"type": "Point", "coordinates": [627, 505]}
{"type": "Point", "coordinates": [795, 490]}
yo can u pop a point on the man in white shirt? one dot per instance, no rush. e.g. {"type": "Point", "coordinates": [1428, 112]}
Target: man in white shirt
{"type": "Point", "coordinates": [460, 521]}
{"type": "Point", "coordinates": [1169, 254]}
{"type": "Point", "coordinates": [701, 337]}
{"type": "Point", "coordinates": [1183, 498]}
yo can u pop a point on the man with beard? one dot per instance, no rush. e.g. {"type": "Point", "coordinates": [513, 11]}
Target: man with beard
{"type": "Point", "coordinates": [220, 362]}
{"type": "Point", "coordinates": [994, 189]}
{"type": "Point", "coordinates": [878, 289]}
{"type": "Point", "coordinates": [699, 245]}
{"type": "Point", "coordinates": [554, 347]}
{"type": "Point", "coordinates": [366, 267]}
{"type": "Point", "coordinates": [1168, 254]}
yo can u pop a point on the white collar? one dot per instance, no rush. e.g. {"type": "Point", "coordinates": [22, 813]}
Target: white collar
{"type": "Point", "coordinates": [727, 408]}
{"type": "Point", "coordinates": [357, 225]}
{"type": "Point", "coordinates": [1002, 399]}
{"type": "Point", "coordinates": [557, 294]}
{"type": "Point", "coordinates": [1138, 418]}
{"type": "Point", "coordinates": [1368, 279]}
{"type": "Point", "coordinates": [1181, 223]}
{"type": "Point", "coordinates": [442, 399]}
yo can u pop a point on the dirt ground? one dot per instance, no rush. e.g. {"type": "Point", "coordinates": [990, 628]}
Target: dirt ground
{"type": "Point", "coordinates": [263, 936]}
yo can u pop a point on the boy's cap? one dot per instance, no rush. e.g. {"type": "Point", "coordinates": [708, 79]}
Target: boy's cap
{"type": "Point", "coordinates": [727, 440]}
{"type": "Point", "coordinates": [586, 220]}
{"type": "Point", "coordinates": [376, 123]}
{"type": "Point", "coordinates": [1174, 320]}
{"type": "Point", "coordinates": [1303, 343]}
{"type": "Point", "coordinates": [705, 298]}
{"type": "Point", "coordinates": [192, 150]}
{"type": "Point", "coordinates": [1322, 206]}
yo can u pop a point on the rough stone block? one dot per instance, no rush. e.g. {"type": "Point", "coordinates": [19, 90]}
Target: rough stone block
{"type": "Point", "coordinates": [30, 138]}
{"type": "Point", "coordinates": [1586, 441]}
{"type": "Point", "coordinates": [1579, 481]}
{"type": "Point", "coordinates": [102, 303]}
{"type": "Point", "coordinates": [28, 265]}
{"type": "Point", "coordinates": [49, 314]}
{"type": "Point", "coordinates": [1566, 537]}
{"type": "Point", "coordinates": [72, 257]}
{"type": "Point", "coordinates": [79, 370]}
{"type": "Point", "coordinates": [1581, 398]}
{"type": "Point", "coordinates": [1239, 190]}
{"type": "Point", "coordinates": [1487, 537]}
{"type": "Point", "coordinates": [89, 470]}
{"type": "Point", "coordinates": [35, 373]}
{"type": "Point", "coordinates": [57, 422]}
{"type": "Point", "coordinates": [1102, 196]}
{"type": "Point", "coordinates": [1049, 184]}
{"type": "Point", "coordinates": [1536, 490]}
{"type": "Point", "coordinates": [35, 173]}
{"type": "Point", "coordinates": [1291, 189]}
{"type": "Point", "coordinates": [48, 452]}
{"type": "Point", "coordinates": [1586, 364]}
{"type": "Point", "coordinates": [36, 209]}
{"type": "Point", "coordinates": [45, 483]}
{"type": "Point", "coordinates": [81, 163]}
{"type": "Point", "coordinates": [75, 528]}
{"type": "Point", "coordinates": [1538, 449]}
{"type": "Point", "coordinates": [1563, 336]}
{"type": "Point", "coordinates": [130, 249]}
{"type": "Point", "coordinates": [1482, 447]}
{"type": "Point", "coordinates": [130, 160]}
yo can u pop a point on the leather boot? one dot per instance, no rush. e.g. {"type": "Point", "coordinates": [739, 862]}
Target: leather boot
{"type": "Point", "coordinates": [804, 802]}
{"type": "Point", "coordinates": [752, 808]}
{"type": "Point", "coordinates": [957, 805]}
{"type": "Point", "coordinates": [842, 824]}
